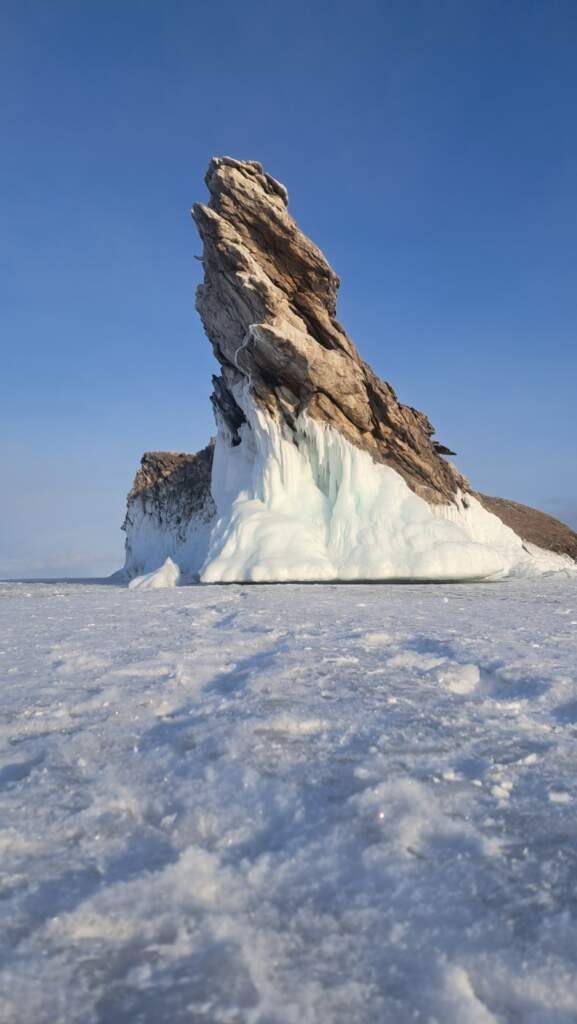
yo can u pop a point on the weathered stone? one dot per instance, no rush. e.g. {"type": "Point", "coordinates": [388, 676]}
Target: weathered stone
{"type": "Point", "coordinates": [535, 527]}
{"type": "Point", "coordinates": [172, 488]}
{"type": "Point", "coordinates": [268, 305]}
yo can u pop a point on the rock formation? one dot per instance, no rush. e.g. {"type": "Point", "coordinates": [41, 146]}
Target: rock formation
{"type": "Point", "coordinates": [169, 510]}
{"type": "Point", "coordinates": [268, 305]}
{"type": "Point", "coordinates": [319, 471]}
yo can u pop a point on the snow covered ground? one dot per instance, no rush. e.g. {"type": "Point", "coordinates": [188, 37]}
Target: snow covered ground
{"type": "Point", "coordinates": [278, 804]}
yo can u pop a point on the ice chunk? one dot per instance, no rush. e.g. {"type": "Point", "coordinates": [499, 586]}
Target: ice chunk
{"type": "Point", "coordinates": [168, 575]}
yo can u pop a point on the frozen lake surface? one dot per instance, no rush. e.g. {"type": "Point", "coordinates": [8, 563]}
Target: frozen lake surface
{"type": "Point", "coordinates": [278, 804]}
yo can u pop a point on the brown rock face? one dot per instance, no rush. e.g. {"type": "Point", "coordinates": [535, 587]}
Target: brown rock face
{"type": "Point", "coordinates": [268, 305]}
{"type": "Point", "coordinates": [535, 527]}
{"type": "Point", "coordinates": [172, 488]}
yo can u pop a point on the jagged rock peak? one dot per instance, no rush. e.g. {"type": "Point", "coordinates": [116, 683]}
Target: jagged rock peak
{"type": "Point", "coordinates": [252, 169]}
{"type": "Point", "coordinates": [268, 305]}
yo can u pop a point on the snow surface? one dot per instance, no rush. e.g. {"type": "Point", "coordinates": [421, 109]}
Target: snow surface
{"type": "Point", "coordinates": [316, 804]}
{"type": "Point", "coordinates": [314, 507]}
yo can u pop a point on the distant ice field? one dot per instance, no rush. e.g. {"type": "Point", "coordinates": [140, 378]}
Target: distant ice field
{"type": "Point", "coordinates": [296, 804]}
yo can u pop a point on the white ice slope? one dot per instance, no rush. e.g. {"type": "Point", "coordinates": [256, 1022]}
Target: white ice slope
{"type": "Point", "coordinates": [168, 575]}
{"type": "Point", "coordinates": [315, 507]}
{"type": "Point", "coordinates": [151, 540]}
{"type": "Point", "coordinates": [312, 506]}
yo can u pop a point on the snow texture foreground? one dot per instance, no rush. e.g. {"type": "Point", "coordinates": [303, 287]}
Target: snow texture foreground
{"type": "Point", "coordinates": [304, 804]}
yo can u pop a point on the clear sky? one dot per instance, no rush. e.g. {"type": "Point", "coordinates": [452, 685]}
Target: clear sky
{"type": "Point", "coordinates": [429, 148]}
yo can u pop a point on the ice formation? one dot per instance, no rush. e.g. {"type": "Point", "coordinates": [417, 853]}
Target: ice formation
{"type": "Point", "coordinates": [312, 506]}
{"type": "Point", "coordinates": [151, 540]}
{"type": "Point", "coordinates": [315, 507]}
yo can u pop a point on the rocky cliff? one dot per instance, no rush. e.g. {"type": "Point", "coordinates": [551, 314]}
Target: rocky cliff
{"type": "Point", "coordinates": [319, 472]}
{"type": "Point", "coordinates": [268, 305]}
{"type": "Point", "coordinates": [169, 511]}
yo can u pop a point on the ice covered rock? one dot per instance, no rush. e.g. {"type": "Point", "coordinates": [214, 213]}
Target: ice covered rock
{"type": "Point", "coordinates": [318, 472]}
{"type": "Point", "coordinates": [268, 305]}
{"type": "Point", "coordinates": [169, 512]}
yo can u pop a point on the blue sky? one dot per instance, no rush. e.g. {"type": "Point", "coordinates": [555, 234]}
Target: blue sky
{"type": "Point", "coordinates": [429, 148]}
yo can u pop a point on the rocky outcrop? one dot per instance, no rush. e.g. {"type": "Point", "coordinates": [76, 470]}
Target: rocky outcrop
{"type": "Point", "coordinates": [532, 526]}
{"type": "Point", "coordinates": [172, 488]}
{"type": "Point", "coordinates": [169, 511]}
{"type": "Point", "coordinates": [318, 472]}
{"type": "Point", "coordinates": [268, 305]}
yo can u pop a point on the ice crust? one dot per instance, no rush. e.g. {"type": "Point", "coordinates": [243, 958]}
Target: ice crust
{"type": "Point", "coordinates": [315, 507]}
{"type": "Point", "coordinates": [307, 804]}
